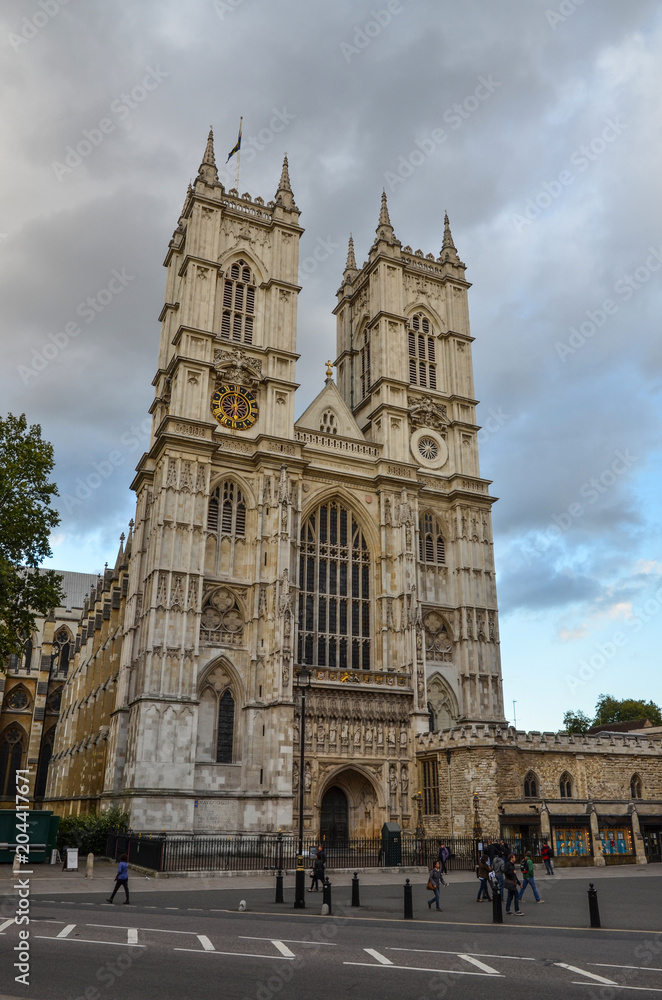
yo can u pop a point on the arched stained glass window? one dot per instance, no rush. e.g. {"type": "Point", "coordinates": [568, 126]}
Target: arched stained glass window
{"type": "Point", "coordinates": [565, 786]}
{"type": "Point", "coordinates": [334, 591]}
{"type": "Point", "coordinates": [530, 786]}
{"type": "Point", "coordinates": [225, 737]}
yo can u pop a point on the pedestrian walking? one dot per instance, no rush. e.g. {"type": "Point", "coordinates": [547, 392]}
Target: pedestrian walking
{"type": "Point", "coordinates": [504, 849]}
{"type": "Point", "coordinates": [443, 854]}
{"type": "Point", "coordinates": [121, 879]}
{"type": "Point", "coordinates": [318, 870]}
{"type": "Point", "coordinates": [492, 851]}
{"type": "Point", "coordinates": [512, 884]}
{"type": "Point", "coordinates": [527, 871]}
{"type": "Point", "coordinates": [546, 855]}
{"type": "Point", "coordinates": [497, 868]}
{"type": "Point", "coordinates": [435, 882]}
{"type": "Point", "coordinates": [483, 875]}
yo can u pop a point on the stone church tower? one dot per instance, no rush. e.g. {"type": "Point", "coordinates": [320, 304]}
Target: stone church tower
{"type": "Point", "coordinates": [356, 541]}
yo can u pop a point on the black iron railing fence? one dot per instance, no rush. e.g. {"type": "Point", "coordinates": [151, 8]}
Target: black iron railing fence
{"type": "Point", "coordinates": [216, 852]}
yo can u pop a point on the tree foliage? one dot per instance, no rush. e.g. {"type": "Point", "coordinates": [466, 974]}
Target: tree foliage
{"type": "Point", "coordinates": [576, 722]}
{"type": "Point", "coordinates": [89, 831]}
{"type": "Point", "coordinates": [608, 710]}
{"type": "Point", "coordinates": [26, 520]}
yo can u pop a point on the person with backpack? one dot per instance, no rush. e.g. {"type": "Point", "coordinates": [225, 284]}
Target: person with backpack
{"type": "Point", "coordinates": [527, 871]}
{"type": "Point", "coordinates": [512, 884]}
{"type": "Point", "coordinates": [435, 882]}
{"type": "Point", "coordinates": [483, 875]}
{"type": "Point", "coordinates": [546, 855]}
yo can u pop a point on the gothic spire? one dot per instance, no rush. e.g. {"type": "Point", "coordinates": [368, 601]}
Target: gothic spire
{"type": "Point", "coordinates": [208, 172]}
{"type": "Point", "coordinates": [384, 228]}
{"type": "Point", "coordinates": [350, 263]}
{"type": "Point", "coordinates": [284, 196]}
{"type": "Point", "coordinates": [120, 554]}
{"type": "Point", "coordinates": [448, 249]}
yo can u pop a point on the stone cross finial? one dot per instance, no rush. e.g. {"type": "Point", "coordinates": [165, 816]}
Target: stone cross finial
{"type": "Point", "coordinates": [329, 371]}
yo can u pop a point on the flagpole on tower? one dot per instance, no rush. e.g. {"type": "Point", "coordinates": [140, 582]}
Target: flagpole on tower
{"type": "Point", "coordinates": [236, 178]}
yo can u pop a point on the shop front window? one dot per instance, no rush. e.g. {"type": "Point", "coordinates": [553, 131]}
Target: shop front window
{"type": "Point", "coordinates": [616, 840]}
{"type": "Point", "coordinates": [571, 841]}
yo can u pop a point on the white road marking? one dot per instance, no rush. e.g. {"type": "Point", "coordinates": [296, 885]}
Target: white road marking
{"type": "Point", "coordinates": [114, 944]}
{"type": "Point", "coordinates": [152, 930]}
{"type": "Point", "coordinates": [476, 954]}
{"type": "Point", "coordinates": [479, 965]}
{"type": "Point", "coordinates": [582, 972]}
{"type": "Point", "coordinates": [205, 942]}
{"type": "Point", "coordinates": [641, 968]}
{"type": "Point", "coordinates": [66, 931]}
{"type": "Point", "coordinates": [380, 958]}
{"type": "Point", "coordinates": [314, 944]}
{"type": "Point", "coordinates": [132, 935]}
{"type": "Point", "coordinates": [238, 954]}
{"type": "Point", "coordinates": [415, 968]}
{"type": "Point", "coordinates": [6, 924]}
{"type": "Point", "coordinates": [282, 948]}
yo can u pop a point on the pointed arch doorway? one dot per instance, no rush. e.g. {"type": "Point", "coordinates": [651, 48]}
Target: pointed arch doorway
{"type": "Point", "coordinates": [334, 818]}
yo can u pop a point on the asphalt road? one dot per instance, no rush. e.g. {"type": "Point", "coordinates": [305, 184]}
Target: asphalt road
{"type": "Point", "coordinates": [102, 954]}
{"type": "Point", "coordinates": [193, 943]}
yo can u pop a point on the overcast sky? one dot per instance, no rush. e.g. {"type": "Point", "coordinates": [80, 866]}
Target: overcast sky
{"type": "Point", "coordinates": [535, 123]}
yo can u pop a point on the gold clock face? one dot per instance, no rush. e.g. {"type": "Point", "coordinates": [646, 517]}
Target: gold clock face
{"type": "Point", "coordinates": [235, 407]}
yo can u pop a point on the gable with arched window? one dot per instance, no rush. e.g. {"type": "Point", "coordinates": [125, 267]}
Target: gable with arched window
{"type": "Point", "coordinates": [431, 545]}
{"type": "Point", "coordinates": [13, 747]}
{"type": "Point", "coordinates": [565, 786]}
{"type": "Point", "coordinates": [62, 650]}
{"type": "Point", "coordinates": [422, 352]}
{"type": "Point", "coordinates": [636, 787]}
{"type": "Point", "coordinates": [238, 303]}
{"type": "Point", "coordinates": [334, 590]}
{"type": "Point", "coordinates": [531, 786]}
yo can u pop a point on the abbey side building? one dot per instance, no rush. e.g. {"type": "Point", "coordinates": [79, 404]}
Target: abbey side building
{"type": "Point", "coordinates": [355, 541]}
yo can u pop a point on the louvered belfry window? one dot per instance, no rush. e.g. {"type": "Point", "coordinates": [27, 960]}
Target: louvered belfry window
{"type": "Point", "coordinates": [422, 353]}
{"type": "Point", "coordinates": [334, 591]}
{"type": "Point", "coordinates": [227, 510]}
{"type": "Point", "coordinates": [238, 313]}
{"type": "Point", "coordinates": [431, 547]}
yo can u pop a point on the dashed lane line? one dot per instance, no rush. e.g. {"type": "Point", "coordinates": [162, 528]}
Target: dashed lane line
{"type": "Point", "coordinates": [205, 942]}
{"type": "Point", "coordinates": [66, 931]}
{"type": "Point", "coordinates": [6, 924]}
{"type": "Point", "coordinates": [376, 954]}
{"type": "Point", "coordinates": [313, 944]}
{"type": "Point", "coordinates": [238, 954]}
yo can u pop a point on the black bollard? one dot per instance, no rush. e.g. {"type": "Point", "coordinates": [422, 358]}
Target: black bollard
{"type": "Point", "coordinates": [497, 911]}
{"type": "Point", "coordinates": [279, 887]}
{"type": "Point", "coordinates": [326, 894]}
{"type": "Point", "coordinates": [593, 910]}
{"type": "Point", "coordinates": [409, 908]}
{"type": "Point", "coordinates": [355, 890]}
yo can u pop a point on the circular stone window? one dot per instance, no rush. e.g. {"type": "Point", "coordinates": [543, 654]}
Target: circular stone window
{"type": "Point", "coordinates": [429, 448]}
{"type": "Point", "coordinates": [18, 700]}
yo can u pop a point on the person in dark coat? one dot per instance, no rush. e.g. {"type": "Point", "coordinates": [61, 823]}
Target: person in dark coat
{"type": "Point", "coordinates": [492, 851]}
{"type": "Point", "coordinates": [546, 855]}
{"type": "Point", "coordinates": [511, 883]}
{"type": "Point", "coordinates": [443, 854]}
{"type": "Point", "coordinates": [437, 880]}
{"type": "Point", "coordinates": [121, 879]}
{"type": "Point", "coordinates": [318, 870]}
{"type": "Point", "coordinates": [483, 875]}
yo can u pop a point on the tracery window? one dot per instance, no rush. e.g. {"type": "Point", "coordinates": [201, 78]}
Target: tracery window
{"type": "Point", "coordinates": [565, 786]}
{"type": "Point", "coordinates": [365, 366]}
{"type": "Point", "coordinates": [438, 641]}
{"type": "Point", "coordinates": [227, 510]}
{"type": "Point", "coordinates": [431, 546]}
{"type": "Point", "coordinates": [221, 622]}
{"type": "Point", "coordinates": [225, 737]}
{"type": "Point", "coordinates": [61, 650]}
{"type": "Point", "coordinates": [422, 352]}
{"type": "Point", "coordinates": [18, 699]}
{"type": "Point", "coordinates": [238, 304]}
{"type": "Point", "coordinates": [636, 788]}
{"type": "Point", "coordinates": [530, 786]}
{"type": "Point", "coordinates": [13, 744]}
{"type": "Point", "coordinates": [334, 591]}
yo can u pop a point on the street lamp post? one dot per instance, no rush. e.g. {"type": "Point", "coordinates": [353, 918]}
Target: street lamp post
{"type": "Point", "coordinates": [420, 829]}
{"type": "Point", "coordinates": [302, 682]}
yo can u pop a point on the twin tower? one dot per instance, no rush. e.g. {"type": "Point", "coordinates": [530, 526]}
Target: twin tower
{"type": "Point", "coordinates": [355, 541]}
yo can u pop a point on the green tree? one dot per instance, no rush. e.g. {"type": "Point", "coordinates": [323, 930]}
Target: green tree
{"type": "Point", "coordinates": [576, 722]}
{"type": "Point", "coordinates": [26, 520]}
{"type": "Point", "coordinates": [609, 709]}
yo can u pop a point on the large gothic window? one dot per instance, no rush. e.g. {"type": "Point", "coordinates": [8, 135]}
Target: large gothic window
{"type": "Point", "coordinates": [225, 738]}
{"type": "Point", "coordinates": [62, 645]}
{"type": "Point", "coordinates": [238, 304]}
{"type": "Point", "coordinates": [422, 353]}
{"type": "Point", "coordinates": [13, 744]}
{"type": "Point", "coordinates": [334, 591]}
{"type": "Point", "coordinates": [431, 547]}
{"type": "Point", "coordinates": [227, 510]}
{"type": "Point", "coordinates": [565, 786]}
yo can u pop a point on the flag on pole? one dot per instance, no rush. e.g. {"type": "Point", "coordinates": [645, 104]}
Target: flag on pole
{"type": "Point", "coordinates": [237, 145]}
